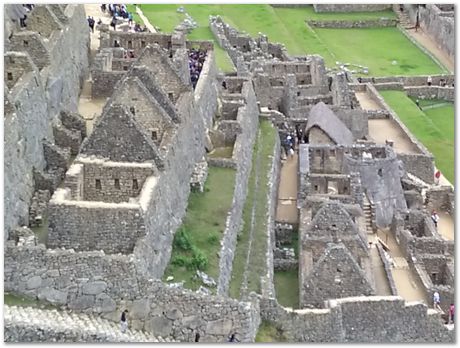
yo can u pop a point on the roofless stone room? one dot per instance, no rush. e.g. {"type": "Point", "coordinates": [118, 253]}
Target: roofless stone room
{"type": "Point", "coordinates": [229, 173]}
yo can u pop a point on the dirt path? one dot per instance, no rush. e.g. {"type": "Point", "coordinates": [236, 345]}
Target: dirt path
{"type": "Point", "coordinates": [286, 209]}
{"type": "Point", "coordinates": [446, 225]}
{"type": "Point", "coordinates": [381, 283]}
{"type": "Point", "coordinates": [407, 284]}
{"type": "Point", "coordinates": [385, 129]}
{"type": "Point", "coordinates": [366, 102]}
{"type": "Point", "coordinates": [426, 41]}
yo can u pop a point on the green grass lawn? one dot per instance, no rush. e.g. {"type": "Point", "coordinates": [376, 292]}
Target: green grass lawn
{"type": "Point", "coordinates": [375, 48]}
{"type": "Point", "coordinates": [204, 225]}
{"type": "Point", "coordinates": [433, 127]}
{"type": "Point", "coordinates": [257, 261]}
{"type": "Point", "coordinates": [287, 288]}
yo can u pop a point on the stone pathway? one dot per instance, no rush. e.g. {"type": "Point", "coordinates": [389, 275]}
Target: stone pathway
{"type": "Point", "coordinates": [366, 102]}
{"type": "Point", "coordinates": [409, 287]}
{"type": "Point", "coordinates": [286, 210]}
{"type": "Point", "coordinates": [426, 41]}
{"type": "Point", "coordinates": [62, 323]}
{"type": "Point", "coordinates": [146, 21]}
{"type": "Point", "coordinates": [381, 130]}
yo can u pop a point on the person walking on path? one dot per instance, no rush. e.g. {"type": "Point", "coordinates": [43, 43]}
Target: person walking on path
{"type": "Point", "coordinates": [436, 300]}
{"type": "Point", "coordinates": [233, 338]}
{"type": "Point", "coordinates": [435, 218]}
{"type": "Point", "coordinates": [451, 313]}
{"type": "Point", "coordinates": [124, 321]}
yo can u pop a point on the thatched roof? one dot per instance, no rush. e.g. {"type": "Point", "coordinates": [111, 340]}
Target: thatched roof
{"type": "Point", "coordinates": [322, 117]}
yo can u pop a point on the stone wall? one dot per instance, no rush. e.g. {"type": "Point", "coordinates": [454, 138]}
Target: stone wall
{"type": "Point", "coordinates": [440, 28]}
{"type": "Point", "coordinates": [105, 285]}
{"type": "Point", "coordinates": [360, 320]}
{"type": "Point", "coordinates": [441, 198]}
{"type": "Point", "coordinates": [433, 92]}
{"type": "Point", "coordinates": [37, 99]}
{"type": "Point", "coordinates": [247, 118]}
{"type": "Point", "coordinates": [346, 24]}
{"type": "Point", "coordinates": [350, 7]}
{"type": "Point", "coordinates": [114, 228]}
{"type": "Point", "coordinates": [206, 90]}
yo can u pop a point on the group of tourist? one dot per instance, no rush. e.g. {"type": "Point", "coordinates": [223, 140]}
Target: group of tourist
{"type": "Point", "coordinates": [120, 12]}
{"type": "Point", "coordinates": [196, 58]}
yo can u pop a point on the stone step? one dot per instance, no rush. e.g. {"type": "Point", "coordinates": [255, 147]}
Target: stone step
{"type": "Point", "coordinates": [63, 321]}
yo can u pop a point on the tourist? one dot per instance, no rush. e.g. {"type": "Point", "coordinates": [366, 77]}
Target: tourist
{"type": "Point", "coordinates": [451, 313]}
{"type": "Point", "coordinates": [435, 218]}
{"type": "Point", "coordinates": [436, 300]}
{"type": "Point", "coordinates": [437, 177]}
{"type": "Point", "coordinates": [103, 8]}
{"type": "Point", "coordinates": [124, 321]}
{"type": "Point", "coordinates": [417, 102]}
{"type": "Point", "coordinates": [113, 23]}
{"type": "Point", "coordinates": [429, 81]}
{"type": "Point", "coordinates": [291, 152]}
{"type": "Point", "coordinates": [130, 19]}
{"type": "Point", "coordinates": [197, 337]}
{"type": "Point", "coordinates": [91, 23]}
{"type": "Point", "coordinates": [417, 21]}
{"type": "Point", "coordinates": [233, 338]}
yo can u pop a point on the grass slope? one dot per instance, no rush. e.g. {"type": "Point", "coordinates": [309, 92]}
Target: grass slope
{"type": "Point", "coordinates": [375, 47]}
{"type": "Point", "coordinates": [205, 223]}
{"type": "Point", "coordinates": [433, 127]}
{"type": "Point", "coordinates": [268, 333]}
{"type": "Point", "coordinates": [287, 288]}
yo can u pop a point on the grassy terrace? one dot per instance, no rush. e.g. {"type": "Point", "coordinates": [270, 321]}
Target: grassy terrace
{"type": "Point", "coordinates": [256, 201]}
{"type": "Point", "coordinates": [375, 48]}
{"type": "Point", "coordinates": [434, 127]}
{"type": "Point", "coordinates": [197, 242]}
{"type": "Point", "coordinates": [268, 333]}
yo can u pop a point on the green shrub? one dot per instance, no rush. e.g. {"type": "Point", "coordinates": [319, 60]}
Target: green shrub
{"type": "Point", "coordinates": [181, 261]}
{"type": "Point", "coordinates": [199, 260]}
{"type": "Point", "coordinates": [213, 238]}
{"type": "Point", "coordinates": [182, 240]}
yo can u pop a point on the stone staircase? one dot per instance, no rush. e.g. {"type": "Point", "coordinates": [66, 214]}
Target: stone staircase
{"type": "Point", "coordinates": [368, 214]}
{"type": "Point", "coordinates": [28, 324]}
{"type": "Point", "coordinates": [403, 18]}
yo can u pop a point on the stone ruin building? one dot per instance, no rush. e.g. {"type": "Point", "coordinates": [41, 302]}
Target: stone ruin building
{"type": "Point", "coordinates": [113, 195]}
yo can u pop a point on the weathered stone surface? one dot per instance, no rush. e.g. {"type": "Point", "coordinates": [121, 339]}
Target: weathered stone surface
{"type": "Point", "coordinates": [219, 327]}
{"type": "Point", "coordinates": [51, 295]}
{"type": "Point", "coordinates": [94, 288]}
{"type": "Point", "coordinates": [34, 282]}
{"type": "Point", "coordinates": [161, 326]}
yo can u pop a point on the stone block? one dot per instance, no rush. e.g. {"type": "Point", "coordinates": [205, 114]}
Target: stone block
{"type": "Point", "coordinates": [53, 296]}
{"type": "Point", "coordinates": [140, 309]}
{"type": "Point", "coordinates": [219, 327]}
{"type": "Point", "coordinates": [160, 326]}
{"type": "Point", "coordinates": [34, 282]}
{"type": "Point", "coordinates": [82, 302]}
{"type": "Point", "coordinates": [174, 314]}
{"type": "Point", "coordinates": [105, 304]}
{"type": "Point", "coordinates": [94, 288]}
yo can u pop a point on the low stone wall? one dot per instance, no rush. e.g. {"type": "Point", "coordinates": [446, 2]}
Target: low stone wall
{"type": "Point", "coordinates": [387, 267]}
{"type": "Point", "coordinates": [420, 165]}
{"type": "Point", "coordinates": [104, 82]}
{"type": "Point", "coordinates": [373, 319]}
{"type": "Point", "coordinates": [284, 259]}
{"type": "Point", "coordinates": [433, 92]}
{"type": "Point", "coordinates": [267, 280]}
{"type": "Point", "coordinates": [389, 86]}
{"type": "Point", "coordinates": [247, 118]}
{"type": "Point", "coordinates": [441, 198]}
{"type": "Point", "coordinates": [350, 7]}
{"type": "Point", "coordinates": [411, 81]}
{"type": "Point", "coordinates": [283, 232]}
{"type": "Point", "coordinates": [98, 283]}
{"type": "Point", "coordinates": [347, 24]}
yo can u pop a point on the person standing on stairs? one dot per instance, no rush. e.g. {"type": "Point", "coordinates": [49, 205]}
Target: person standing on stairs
{"type": "Point", "coordinates": [435, 218]}
{"type": "Point", "coordinates": [124, 321]}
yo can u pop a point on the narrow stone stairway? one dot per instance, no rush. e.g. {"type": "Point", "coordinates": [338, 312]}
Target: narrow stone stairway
{"type": "Point", "coordinates": [28, 324]}
{"type": "Point", "coordinates": [367, 209]}
{"type": "Point", "coordinates": [403, 18]}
